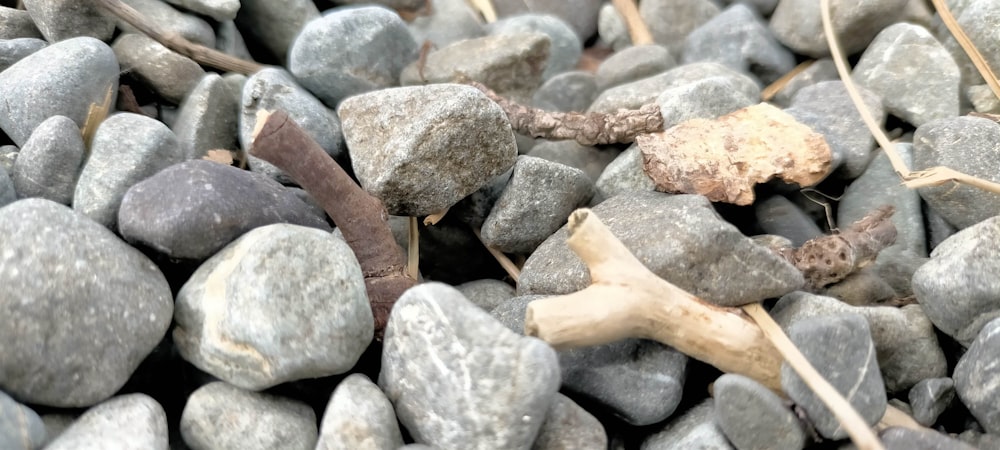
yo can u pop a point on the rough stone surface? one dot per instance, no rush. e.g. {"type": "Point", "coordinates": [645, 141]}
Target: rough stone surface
{"type": "Point", "coordinates": [131, 421]}
{"type": "Point", "coordinates": [359, 416]}
{"type": "Point", "coordinates": [50, 161]}
{"type": "Point", "coordinates": [565, 47]}
{"type": "Point", "coordinates": [206, 119]}
{"type": "Point", "coordinates": [707, 98]}
{"type": "Point", "coordinates": [17, 23]}
{"type": "Point", "coordinates": [159, 12]}
{"type": "Point", "coordinates": [568, 91]}
{"type": "Point", "coordinates": [350, 51]}
{"type": "Point", "coordinates": [20, 427]}
{"type": "Point", "coordinates": [670, 21]}
{"type": "Point", "coordinates": [798, 25]}
{"type": "Point", "coordinates": [567, 426]}
{"type": "Point", "coordinates": [976, 375]}
{"type": "Point", "coordinates": [840, 347]}
{"type": "Point", "coordinates": [82, 308]}
{"type": "Point", "coordinates": [739, 38]}
{"type": "Point", "coordinates": [167, 73]}
{"type": "Point", "coordinates": [930, 397]}
{"type": "Point", "coordinates": [753, 417]}
{"type": "Point", "coordinates": [449, 21]}
{"type": "Point", "coordinates": [821, 70]}
{"type": "Point", "coordinates": [275, 24]}
{"type": "Point", "coordinates": [126, 149]}
{"type": "Point", "coordinates": [778, 215]}
{"type": "Point", "coordinates": [413, 147]}
{"type": "Point", "coordinates": [7, 193]}
{"type": "Point", "coordinates": [220, 10]}
{"type": "Point", "coordinates": [912, 72]}
{"type": "Point", "coordinates": [14, 50]}
{"type": "Point", "coordinates": [637, 93]}
{"type": "Point", "coordinates": [62, 79]}
{"type": "Point", "coordinates": [189, 211]}
{"type": "Point", "coordinates": [633, 63]}
{"type": "Point", "coordinates": [591, 160]}
{"type": "Point", "coordinates": [64, 19]}
{"type": "Point", "coordinates": [486, 294]}
{"type": "Point", "coordinates": [692, 248]}
{"type": "Point", "coordinates": [861, 288]}
{"type": "Point", "coordinates": [301, 284]}
{"type": "Point", "coordinates": [979, 20]}
{"type": "Point", "coordinates": [219, 415]}
{"type": "Point", "coordinates": [624, 174]}
{"type": "Point", "coordinates": [458, 378]}
{"type": "Point", "coordinates": [696, 428]}
{"type": "Point", "coordinates": [580, 14]}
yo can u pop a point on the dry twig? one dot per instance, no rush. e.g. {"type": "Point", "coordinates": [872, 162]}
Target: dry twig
{"type": "Point", "coordinates": [774, 88]}
{"type": "Point", "coordinates": [967, 45]}
{"type": "Point", "coordinates": [637, 29]}
{"type": "Point", "coordinates": [508, 266]}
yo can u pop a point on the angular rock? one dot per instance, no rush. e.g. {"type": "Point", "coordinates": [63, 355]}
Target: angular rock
{"type": "Point", "coordinates": [779, 216]}
{"type": "Point", "coordinates": [707, 98]}
{"type": "Point", "coordinates": [17, 23]}
{"type": "Point", "coordinates": [798, 24]}
{"type": "Point", "coordinates": [925, 439]}
{"type": "Point", "coordinates": [581, 14]}
{"type": "Point", "coordinates": [50, 161]}
{"type": "Point", "coordinates": [64, 19]}
{"type": "Point", "coordinates": [670, 21]}
{"type": "Point", "coordinates": [62, 79]}
{"type": "Point", "coordinates": [486, 294]}
{"type": "Point", "coordinates": [633, 63]}
{"type": "Point", "coordinates": [163, 15]}
{"type": "Point", "coordinates": [14, 50]}
{"type": "Point", "coordinates": [359, 416]}
{"type": "Point", "coordinates": [20, 427]}
{"type": "Point", "coordinates": [753, 417]}
{"type": "Point", "coordinates": [568, 426]}
{"type": "Point", "coordinates": [350, 51]}
{"type": "Point", "coordinates": [965, 145]}
{"type": "Point", "coordinates": [457, 378]}
{"type": "Point", "coordinates": [449, 21]}
{"type": "Point", "coordinates": [126, 421]}
{"type": "Point", "coordinates": [568, 91]}
{"type": "Point", "coordinates": [624, 174]}
{"type": "Point", "coordinates": [738, 38]}
{"type": "Point", "coordinates": [220, 10]}
{"type": "Point", "coordinates": [840, 347]}
{"type": "Point", "coordinates": [976, 374]}
{"type": "Point", "coordinates": [189, 211]}
{"type": "Point", "coordinates": [821, 70]}
{"type": "Point", "coordinates": [696, 428]}
{"type": "Point", "coordinates": [930, 397]}
{"type": "Point", "coordinates": [565, 47]}
{"type": "Point", "coordinates": [206, 119]}
{"type": "Point", "coordinates": [97, 306]}
{"type": "Point", "coordinates": [127, 148]}
{"type": "Point", "coordinates": [637, 93]}
{"type": "Point", "coordinates": [274, 25]}
{"type": "Point", "coordinates": [218, 415]}
{"type": "Point", "coordinates": [7, 193]}
{"type": "Point", "coordinates": [472, 210]}
{"type": "Point", "coordinates": [302, 284]}
{"type": "Point", "coordinates": [169, 74]}
{"type": "Point", "coordinates": [422, 149]}
{"type": "Point", "coordinates": [591, 160]}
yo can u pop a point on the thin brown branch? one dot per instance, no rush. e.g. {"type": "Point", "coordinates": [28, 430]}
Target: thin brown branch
{"type": "Point", "coordinates": [201, 54]}
{"type": "Point", "coordinates": [774, 88]}
{"type": "Point", "coordinates": [362, 218]}
{"type": "Point", "coordinates": [586, 129]}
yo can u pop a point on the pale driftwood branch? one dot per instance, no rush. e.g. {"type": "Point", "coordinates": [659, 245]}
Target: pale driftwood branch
{"type": "Point", "coordinates": [637, 29]}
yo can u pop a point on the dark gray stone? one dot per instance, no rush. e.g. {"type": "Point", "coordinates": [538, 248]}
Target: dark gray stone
{"type": "Point", "coordinates": [912, 72]}
{"type": "Point", "coordinates": [218, 415]}
{"type": "Point", "coordinates": [930, 397]}
{"type": "Point", "coordinates": [536, 202]}
{"type": "Point", "coordinates": [14, 50]}
{"type": "Point", "coordinates": [964, 144]}
{"type": "Point", "coordinates": [840, 347]}
{"type": "Point", "coordinates": [568, 91]}
{"type": "Point", "coordinates": [567, 426]}
{"type": "Point", "coordinates": [458, 378]}
{"type": "Point", "coordinates": [50, 161]}
{"type": "Point", "coordinates": [206, 119]}
{"type": "Point", "coordinates": [130, 421]}
{"type": "Point", "coordinates": [898, 438]}
{"type": "Point", "coordinates": [696, 428]}
{"type": "Point", "coordinates": [17, 23]}
{"type": "Point", "coordinates": [167, 73]}
{"type": "Point", "coordinates": [637, 93]}
{"type": "Point", "coordinates": [163, 15]}
{"type": "Point", "coordinates": [821, 70]}
{"type": "Point", "coordinates": [20, 427]}
{"type": "Point", "coordinates": [861, 288]}
{"type": "Point", "coordinates": [581, 14]}
{"type": "Point", "coordinates": [193, 209]}
{"type": "Point", "coordinates": [707, 98]}
{"type": "Point", "coordinates": [359, 416]}
{"type": "Point", "coordinates": [64, 19]}
{"type": "Point", "coordinates": [692, 248]}
{"type": "Point", "coordinates": [99, 306]}
{"type": "Point", "coordinates": [739, 38]}
{"type": "Point", "coordinates": [778, 215]}
{"type": "Point", "coordinates": [976, 374]}
{"type": "Point", "coordinates": [472, 210]}
{"type": "Point", "coordinates": [487, 294]}
{"type": "Point", "coordinates": [624, 174]}
{"type": "Point", "coordinates": [633, 63]}
{"type": "Point", "coordinates": [62, 79]}
{"type": "Point", "coordinates": [670, 21]}
{"type": "Point", "coordinates": [565, 47]}
{"type": "Point", "coordinates": [404, 141]}
{"type": "Point", "coordinates": [127, 148]}
{"type": "Point", "coordinates": [351, 50]}
{"type": "Point", "coordinates": [7, 193]}
{"type": "Point", "coordinates": [591, 160]}
{"type": "Point", "coordinates": [275, 24]}
{"type": "Point", "coordinates": [798, 25]}
{"type": "Point", "coordinates": [449, 21]}
{"type": "Point", "coordinates": [220, 10]}
{"type": "Point", "coordinates": [753, 417]}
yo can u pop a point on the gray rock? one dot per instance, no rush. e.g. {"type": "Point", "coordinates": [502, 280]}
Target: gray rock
{"type": "Point", "coordinates": [20, 427]}
{"type": "Point", "coordinates": [218, 415]}
{"type": "Point", "coordinates": [912, 72]}
{"type": "Point", "coordinates": [169, 74]}
{"type": "Point", "coordinates": [798, 25]}
{"type": "Point", "coordinates": [624, 174]}
{"type": "Point", "coordinates": [486, 294]}
{"type": "Point", "coordinates": [637, 93]}
{"type": "Point", "coordinates": [753, 417]}
{"type": "Point", "coordinates": [359, 416]}
{"type": "Point", "coordinates": [17, 23]}
{"type": "Point", "coordinates": [565, 47]}
{"type": "Point", "coordinates": [930, 397]}
{"type": "Point", "coordinates": [821, 70]}
{"type": "Point", "coordinates": [458, 378]}
{"type": "Point", "coordinates": [7, 193]}
{"type": "Point", "coordinates": [826, 107]}
{"type": "Point", "coordinates": [127, 148]}
{"type": "Point", "coordinates": [351, 50]}
{"type": "Point", "coordinates": [591, 160]}
{"type": "Point", "coordinates": [840, 347]}
{"type": "Point", "coordinates": [130, 421]}
{"type": "Point", "coordinates": [738, 38]}
{"type": "Point", "coordinates": [159, 12]}
{"type": "Point", "coordinates": [713, 250]}
{"type": "Point", "coordinates": [567, 426]}
{"type": "Point", "coordinates": [63, 19]}
{"type": "Point", "coordinates": [959, 288]}
{"type": "Point", "coordinates": [980, 440]}
{"type": "Point", "coordinates": [861, 288]}
{"type": "Point", "coordinates": [670, 21]}
{"type": "Point", "coordinates": [403, 143]}
{"type": "Point", "coordinates": [978, 19]}
{"type": "Point", "coordinates": [510, 64]}
{"type": "Point", "coordinates": [330, 325]}
{"type": "Point", "coordinates": [899, 438]}
{"type": "Point", "coordinates": [905, 341]}
{"type": "Point", "coordinates": [779, 216]}
{"type": "Point", "coordinates": [56, 424]}
{"type": "Point", "coordinates": [473, 209]}
{"type": "Point", "coordinates": [976, 374]}
{"type": "Point", "coordinates": [763, 7]}
{"type": "Point", "coordinates": [536, 202]}
{"type": "Point", "coordinates": [633, 63]}
{"type": "Point", "coordinates": [696, 428]}
{"type": "Point", "coordinates": [62, 79]}
{"type": "Point", "coordinates": [982, 99]}
{"type": "Point", "coordinates": [938, 229]}
{"type": "Point", "coordinates": [229, 40]}
{"type": "Point", "coordinates": [14, 50]}
{"type": "Point", "coordinates": [206, 119]}
{"type": "Point", "coordinates": [707, 98]}
{"type": "Point", "coordinates": [965, 145]}
{"type": "Point", "coordinates": [99, 308]}
{"type": "Point", "coordinates": [449, 21]}
{"type": "Point", "coordinates": [189, 211]}
{"type": "Point", "coordinates": [50, 161]}
{"type": "Point", "coordinates": [274, 25]}
{"type": "Point", "coordinates": [612, 29]}
{"type": "Point", "coordinates": [568, 91]}
{"type": "Point", "coordinates": [220, 10]}
{"type": "Point", "coordinates": [8, 156]}
{"type": "Point", "coordinates": [581, 15]}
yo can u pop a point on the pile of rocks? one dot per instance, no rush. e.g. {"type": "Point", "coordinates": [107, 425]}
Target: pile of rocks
{"type": "Point", "coordinates": [150, 298]}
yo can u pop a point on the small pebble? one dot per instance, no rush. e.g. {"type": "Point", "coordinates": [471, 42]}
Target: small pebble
{"type": "Point", "coordinates": [633, 63]}
{"type": "Point", "coordinates": [612, 28]}
{"type": "Point", "coordinates": [130, 421]}
{"type": "Point", "coordinates": [50, 161]}
{"type": "Point", "coordinates": [798, 25]}
{"type": "Point", "coordinates": [17, 23]}
{"type": "Point", "coordinates": [169, 74]}
{"type": "Point", "coordinates": [64, 19]}
{"type": "Point", "coordinates": [931, 397]}
{"type": "Point", "coordinates": [670, 21]}
{"type": "Point", "coordinates": [20, 426]}
{"type": "Point", "coordinates": [579, 14]}
{"type": "Point", "coordinates": [568, 91]}
{"type": "Point", "coordinates": [220, 10]}
{"type": "Point", "coordinates": [568, 426]}
{"type": "Point", "coordinates": [591, 160]}
{"type": "Point", "coordinates": [14, 50]}
{"type": "Point", "coordinates": [624, 174]}
{"type": "Point", "coordinates": [822, 69]}
{"type": "Point", "coordinates": [486, 294]}
{"type": "Point", "coordinates": [976, 374]}
{"type": "Point", "coordinates": [696, 428]}
{"type": "Point", "coordinates": [206, 119]}
{"type": "Point", "coordinates": [753, 417]}
{"type": "Point", "coordinates": [778, 215]}
{"type": "Point", "coordinates": [565, 47]}
{"type": "Point", "coordinates": [275, 25]}
{"type": "Point", "coordinates": [861, 288]}
{"type": "Point", "coordinates": [449, 21]}
{"type": "Point", "coordinates": [359, 416]}
{"type": "Point", "coordinates": [707, 98]}
{"type": "Point", "coordinates": [165, 16]}
{"type": "Point", "coordinates": [637, 93]}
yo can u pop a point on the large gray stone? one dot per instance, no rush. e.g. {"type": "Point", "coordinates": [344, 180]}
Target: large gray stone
{"type": "Point", "coordinates": [640, 92]}
{"type": "Point", "coordinates": [171, 75]}
{"type": "Point", "coordinates": [633, 63]}
{"type": "Point", "coordinates": [275, 24]}
{"type": "Point", "coordinates": [976, 377]}
{"type": "Point", "coordinates": [591, 160]}
{"type": "Point", "coordinates": [707, 98]}
{"type": "Point", "coordinates": [50, 161]}
{"type": "Point", "coordinates": [670, 21]}
{"type": "Point", "coordinates": [696, 428]}
{"type": "Point", "coordinates": [17, 23]}
{"type": "Point", "coordinates": [20, 427]}
{"type": "Point", "coordinates": [980, 21]}
{"type": "Point", "coordinates": [822, 69]}
{"type": "Point", "coordinates": [82, 309]}
{"type": "Point", "coordinates": [798, 25]}
{"type": "Point", "coordinates": [568, 91]}
{"type": "Point", "coordinates": [899, 438]}
{"type": "Point", "coordinates": [931, 397]}
{"type": "Point", "coordinates": [567, 426]}
{"type": "Point", "coordinates": [301, 284]}
{"type": "Point", "coordinates": [753, 417]}
{"type": "Point", "coordinates": [64, 19]}
{"type": "Point", "coordinates": [14, 50]}
{"type": "Point", "coordinates": [624, 174]}
{"type": "Point", "coordinates": [422, 149]}
{"type": "Point", "coordinates": [739, 38]}
{"type": "Point", "coordinates": [565, 49]}
{"type": "Point", "coordinates": [62, 79]}
{"type": "Point", "coordinates": [206, 119]}
{"type": "Point", "coordinates": [166, 17]}
{"type": "Point", "coordinates": [449, 21]}
{"type": "Point", "coordinates": [131, 421]}
{"type": "Point", "coordinates": [579, 14]}
{"type": "Point", "coordinates": [220, 10]}
{"type": "Point", "coordinates": [359, 416]}
{"type": "Point", "coordinates": [460, 379]}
